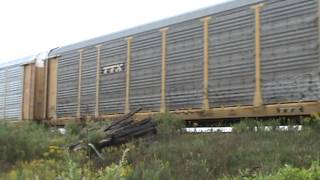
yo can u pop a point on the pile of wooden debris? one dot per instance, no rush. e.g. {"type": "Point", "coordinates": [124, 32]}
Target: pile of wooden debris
{"type": "Point", "coordinates": [120, 131]}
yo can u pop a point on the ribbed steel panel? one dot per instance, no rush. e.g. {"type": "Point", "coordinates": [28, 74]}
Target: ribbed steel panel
{"type": "Point", "coordinates": [88, 86]}
{"type": "Point", "coordinates": [145, 85]}
{"type": "Point", "coordinates": [223, 7]}
{"type": "Point", "coordinates": [290, 56]}
{"type": "Point", "coordinates": [11, 89]}
{"type": "Point", "coordinates": [67, 84]}
{"type": "Point", "coordinates": [112, 86]}
{"type": "Point", "coordinates": [231, 58]}
{"type": "Point", "coordinates": [185, 65]}
{"type": "Point", "coordinates": [2, 92]}
{"type": "Point", "coordinates": [14, 90]}
{"type": "Point", "coordinates": [289, 61]}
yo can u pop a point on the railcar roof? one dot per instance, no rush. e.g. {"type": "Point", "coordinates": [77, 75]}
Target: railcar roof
{"type": "Point", "coordinates": [20, 61]}
{"type": "Point", "coordinates": [156, 25]}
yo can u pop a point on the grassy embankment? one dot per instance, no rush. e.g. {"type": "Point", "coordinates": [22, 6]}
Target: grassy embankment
{"type": "Point", "coordinates": [29, 151]}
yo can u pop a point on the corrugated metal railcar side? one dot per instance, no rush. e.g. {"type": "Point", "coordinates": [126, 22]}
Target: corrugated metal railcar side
{"type": "Point", "coordinates": [145, 82]}
{"type": "Point", "coordinates": [14, 90]}
{"type": "Point", "coordinates": [290, 51]}
{"type": "Point", "coordinates": [113, 85]}
{"type": "Point", "coordinates": [68, 82]}
{"type": "Point", "coordinates": [88, 86]}
{"type": "Point", "coordinates": [2, 93]}
{"type": "Point", "coordinates": [184, 65]}
{"type": "Point", "coordinates": [11, 89]}
{"type": "Point", "coordinates": [251, 56]}
{"type": "Point", "coordinates": [231, 58]}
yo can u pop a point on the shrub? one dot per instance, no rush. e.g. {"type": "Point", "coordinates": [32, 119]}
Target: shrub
{"type": "Point", "coordinates": [72, 128]}
{"type": "Point", "coordinates": [64, 168]}
{"type": "Point", "coordinates": [21, 142]}
{"type": "Point", "coordinates": [246, 125]}
{"type": "Point", "coordinates": [68, 168]}
{"type": "Point", "coordinates": [155, 170]}
{"type": "Point", "coordinates": [95, 136]}
{"type": "Point", "coordinates": [117, 171]}
{"type": "Point", "coordinates": [169, 124]}
{"type": "Point", "coordinates": [182, 156]}
{"type": "Point", "coordinates": [313, 122]}
{"type": "Point", "coordinates": [285, 173]}
{"type": "Point", "coordinates": [273, 124]}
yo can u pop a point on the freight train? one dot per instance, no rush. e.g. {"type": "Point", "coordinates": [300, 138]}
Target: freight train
{"type": "Point", "coordinates": [244, 58]}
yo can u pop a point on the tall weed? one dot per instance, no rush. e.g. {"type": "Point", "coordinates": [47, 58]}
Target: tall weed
{"type": "Point", "coordinates": [19, 142]}
{"type": "Point", "coordinates": [169, 124]}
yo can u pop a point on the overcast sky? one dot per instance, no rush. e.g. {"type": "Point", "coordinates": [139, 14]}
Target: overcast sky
{"type": "Point", "coordinates": [31, 26]}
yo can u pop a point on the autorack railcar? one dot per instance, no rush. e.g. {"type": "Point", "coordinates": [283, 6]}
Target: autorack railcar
{"type": "Point", "coordinates": [244, 58]}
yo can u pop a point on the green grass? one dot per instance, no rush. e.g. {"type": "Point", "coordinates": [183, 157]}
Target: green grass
{"type": "Point", "coordinates": [21, 142]}
{"type": "Point", "coordinates": [172, 154]}
{"type": "Point", "coordinates": [205, 156]}
{"type": "Point", "coordinates": [285, 173]}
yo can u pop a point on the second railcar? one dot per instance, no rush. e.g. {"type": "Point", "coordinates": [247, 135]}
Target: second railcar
{"type": "Point", "coordinates": [244, 58]}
